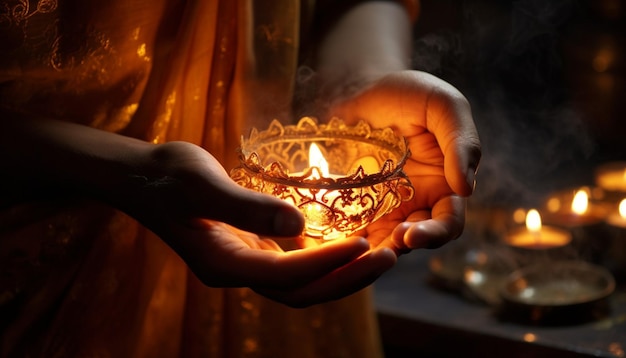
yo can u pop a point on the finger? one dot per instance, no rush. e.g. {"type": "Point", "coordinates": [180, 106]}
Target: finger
{"type": "Point", "coordinates": [246, 238]}
{"type": "Point", "coordinates": [211, 194]}
{"type": "Point", "coordinates": [449, 118]}
{"type": "Point", "coordinates": [294, 268]}
{"type": "Point", "coordinates": [447, 222]}
{"type": "Point", "coordinates": [254, 212]}
{"type": "Point", "coordinates": [379, 235]}
{"type": "Point", "coordinates": [447, 115]}
{"type": "Point", "coordinates": [338, 284]}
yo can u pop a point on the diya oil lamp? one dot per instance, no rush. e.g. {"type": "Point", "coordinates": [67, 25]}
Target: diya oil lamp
{"type": "Point", "coordinates": [573, 209]}
{"type": "Point", "coordinates": [615, 258]}
{"type": "Point", "coordinates": [340, 177]}
{"type": "Point", "coordinates": [557, 293]}
{"type": "Point", "coordinates": [611, 177]}
{"type": "Point", "coordinates": [536, 236]}
{"type": "Point", "coordinates": [537, 242]}
{"type": "Point", "coordinates": [552, 285]}
{"type": "Point", "coordinates": [580, 211]}
{"type": "Point", "coordinates": [618, 217]}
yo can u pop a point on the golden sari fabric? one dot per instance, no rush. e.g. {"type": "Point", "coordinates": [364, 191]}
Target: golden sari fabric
{"type": "Point", "coordinates": [81, 279]}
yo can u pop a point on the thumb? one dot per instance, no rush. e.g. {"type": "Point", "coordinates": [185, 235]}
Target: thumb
{"type": "Point", "coordinates": [255, 212]}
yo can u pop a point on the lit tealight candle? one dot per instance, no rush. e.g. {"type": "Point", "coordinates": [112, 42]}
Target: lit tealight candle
{"type": "Point", "coordinates": [537, 236]}
{"type": "Point", "coordinates": [318, 211]}
{"type": "Point", "coordinates": [583, 218]}
{"type": "Point", "coordinates": [612, 177]}
{"type": "Point", "coordinates": [570, 212]}
{"type": "Point", "coordinates": [618, 219]}
{"type": "Point", "coordinates": [615, 254]}
{"type": "Point", "coordinates": [340, 177]}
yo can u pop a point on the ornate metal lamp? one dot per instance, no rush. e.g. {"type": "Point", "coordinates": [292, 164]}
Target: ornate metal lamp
{"type": "Point", "coordinates": [340, 177]}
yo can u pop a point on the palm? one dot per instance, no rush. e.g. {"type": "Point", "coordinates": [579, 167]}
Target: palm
{"type": "Point", "coordinates": [425, 171]}
{"type": "Point", "coordinates": [223, 256]}
{"type": "Point", "coordinates": [435, 119]}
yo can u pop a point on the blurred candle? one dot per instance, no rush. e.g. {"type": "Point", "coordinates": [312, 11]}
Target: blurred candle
{"type": "Point", "coordinates": [618, 219]}
{"type": "Point", "coordinates": [612, 177]}
{"type": "Point", "coordinates": [537, 236]}
{"type": "Point", "coordinates": [584, 220]}
{"type": "Point", "coordinates": [570, 212]}
{"type": "Point", "coordinates": [615, 258]}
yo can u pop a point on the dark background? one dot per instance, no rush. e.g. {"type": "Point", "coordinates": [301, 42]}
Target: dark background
{"type": "Point", "coordinates": [545, 79]}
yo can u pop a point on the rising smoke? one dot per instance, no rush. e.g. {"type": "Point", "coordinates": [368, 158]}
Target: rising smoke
{"type": "Point", "coordinates": [506, 57]}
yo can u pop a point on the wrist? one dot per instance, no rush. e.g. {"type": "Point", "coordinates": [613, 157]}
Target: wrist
{"type": "Point", "coordinates": [48, 158]}
{"type": "Point", "coordinates": [358, 51]}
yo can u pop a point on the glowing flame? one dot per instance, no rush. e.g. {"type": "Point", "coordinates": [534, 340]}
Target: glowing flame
{"type": "Point", "coordinates": [622, 208]}
{"type": "Point", "coordinates": [316, 159]}
{"type": "Point", "coordinates": [533, 221]}
{"type": "Point", "coordinates": [580, 202]}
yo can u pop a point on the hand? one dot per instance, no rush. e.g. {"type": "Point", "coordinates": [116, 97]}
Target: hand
{"type": "Point", "coordinates": [182, 193]}
{"type": "Point", "coordinates": [190, 199]}
{"type": "Point", "coordinates": [445, 149]}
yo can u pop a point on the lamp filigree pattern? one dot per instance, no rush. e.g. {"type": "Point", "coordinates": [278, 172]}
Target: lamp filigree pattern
{"type": "Point", "coordinates": [340, 177]}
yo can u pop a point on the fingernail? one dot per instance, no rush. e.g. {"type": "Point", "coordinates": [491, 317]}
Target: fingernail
{"type": "Point", "coordinates": [287, 223]}
{"type": "Point", "coordinates": [471, 178]}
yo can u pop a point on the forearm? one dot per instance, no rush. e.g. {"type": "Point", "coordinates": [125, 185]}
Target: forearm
{"type": "Point", "coordinates": [367, 42]}
{"type": "Point", "coordinates": [40, 158]}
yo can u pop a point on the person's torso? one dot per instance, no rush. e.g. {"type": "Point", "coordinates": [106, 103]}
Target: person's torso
{"type": "Point", "coordinates": [84, 61]}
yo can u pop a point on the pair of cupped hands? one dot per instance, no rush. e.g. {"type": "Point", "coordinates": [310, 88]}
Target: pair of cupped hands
{"type": "Point", "coordinates": [223, 231]}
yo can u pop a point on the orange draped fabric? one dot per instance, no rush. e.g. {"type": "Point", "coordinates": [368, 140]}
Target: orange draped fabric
{"type": "Point", "coordinates": [81, 279]}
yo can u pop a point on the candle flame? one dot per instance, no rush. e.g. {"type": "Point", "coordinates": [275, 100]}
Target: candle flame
{"type": "Point", "coordinates": [316, 159]}
{"type": "Point", "coordinates": [580, 202]}
{"type": "Point", "coordinates": [533, 221]}
{"type": "Point", "coordinates": [622, 208]}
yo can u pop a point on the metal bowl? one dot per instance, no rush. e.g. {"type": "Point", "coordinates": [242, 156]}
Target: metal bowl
{"type": "Point", "coordinates": [365, 178]}
{"type": "Point", "coordinates": [558, 292]}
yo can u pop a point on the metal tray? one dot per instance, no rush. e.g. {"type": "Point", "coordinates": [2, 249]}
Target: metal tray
{"type": "Point", "coordinates": [558, 292]}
